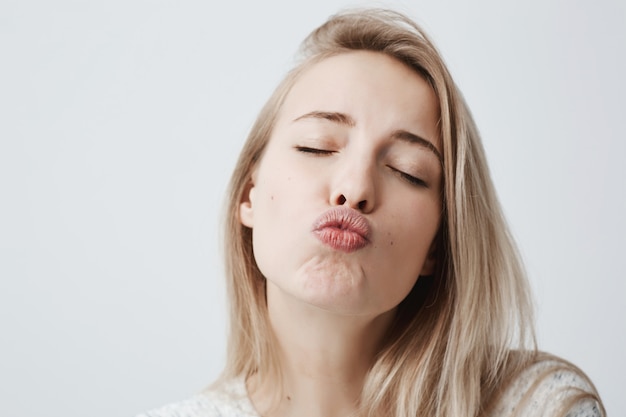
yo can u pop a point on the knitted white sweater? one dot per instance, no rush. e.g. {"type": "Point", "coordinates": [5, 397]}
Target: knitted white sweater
{"type": "Point", "coordinates": [545, 389]}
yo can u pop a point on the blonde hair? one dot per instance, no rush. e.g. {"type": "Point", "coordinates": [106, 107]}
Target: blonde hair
{"type": "Point", "coordinates": [453, 335]}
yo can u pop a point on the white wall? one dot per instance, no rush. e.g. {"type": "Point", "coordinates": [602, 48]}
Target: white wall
{"type": "Point", "coordinates": [120, 122]}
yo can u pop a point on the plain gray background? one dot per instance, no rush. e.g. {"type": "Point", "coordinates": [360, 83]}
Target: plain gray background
{"type": "Point", "coordinates": [119, 125]}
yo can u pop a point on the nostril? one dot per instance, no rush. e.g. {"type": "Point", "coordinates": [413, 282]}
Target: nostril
{"type": "Point", "coordinates": [361, 205]}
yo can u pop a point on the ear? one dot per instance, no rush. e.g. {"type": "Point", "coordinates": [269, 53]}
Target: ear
{"type": "Point", "coordinates": [246, 210]}
{"type": "Point", "coordinates": [431, 260]}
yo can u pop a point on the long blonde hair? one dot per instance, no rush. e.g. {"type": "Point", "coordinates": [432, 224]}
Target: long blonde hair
{"type": "Point", "coordinates": [454, 333]}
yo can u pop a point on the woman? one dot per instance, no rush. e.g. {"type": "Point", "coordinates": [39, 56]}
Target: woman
{"type": "Point", "coordinates": [370, 270]}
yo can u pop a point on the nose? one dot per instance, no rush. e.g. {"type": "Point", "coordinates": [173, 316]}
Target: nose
{"type": "Point", "coordinates": [355, 187]}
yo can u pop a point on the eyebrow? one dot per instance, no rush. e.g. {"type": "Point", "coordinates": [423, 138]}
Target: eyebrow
{"type": "Point", "coordinates": [345, 119]}
{"type": "Point", "coordinates": [406, 136]}
{"type": "Point", "coordinates": [336, 117]}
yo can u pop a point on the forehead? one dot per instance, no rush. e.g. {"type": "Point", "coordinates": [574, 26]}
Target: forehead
{"type": "Point", "coordinates": [380, 93]}
{"type": "Point", "coordinates": [366, 85]}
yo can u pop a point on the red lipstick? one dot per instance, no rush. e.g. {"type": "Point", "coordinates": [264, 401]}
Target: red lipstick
{"type": "Point", "coordinates": [343, 229]}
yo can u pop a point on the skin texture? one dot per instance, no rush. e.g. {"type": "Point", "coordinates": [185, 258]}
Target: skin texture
{"type": "Point", "coordinates": [357, 130]}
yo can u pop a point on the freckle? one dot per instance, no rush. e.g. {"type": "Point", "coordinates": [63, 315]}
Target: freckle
{"type": "Point", "coordinates": [391, 243]}
{"type": "Point", "coordinates": [288, 398]}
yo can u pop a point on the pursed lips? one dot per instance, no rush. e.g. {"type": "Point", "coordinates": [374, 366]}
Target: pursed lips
{"type": "Point", "coordinates": [342, 228]}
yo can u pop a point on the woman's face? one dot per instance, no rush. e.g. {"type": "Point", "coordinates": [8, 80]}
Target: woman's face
{"type": "Point", "coordinates": [345, 202]}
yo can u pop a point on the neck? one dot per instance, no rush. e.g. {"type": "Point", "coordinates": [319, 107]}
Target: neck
{"type": "Point", "coordinates": [323, 363]}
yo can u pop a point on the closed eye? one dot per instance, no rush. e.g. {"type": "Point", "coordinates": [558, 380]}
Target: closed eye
{"type": "Point", "coordinates": [409, 178]}
{"type": "Point", "coordinates": [314, 151]}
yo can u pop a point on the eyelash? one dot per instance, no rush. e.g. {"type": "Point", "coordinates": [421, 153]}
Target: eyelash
{"type": "Point", "coordinates": [409, 178]}
{"type": "Point", "coordinates": [313, 151]}
{"type": "Point", "coordinates": [406, 177]}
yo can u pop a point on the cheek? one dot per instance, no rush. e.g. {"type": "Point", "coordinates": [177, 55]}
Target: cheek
{"type": "Point", "coordinates": [404, 256]}
{"type": "Point", "coordinates": [277, 222]}
{"type": "Point", "coordinates": [274, 198]}
{"type": "Point", "coordinates": [410, 235]}
{"type": "Point", "coordinates": [415, 223]}
{"type": "Point", "coordinates": [287, 192]}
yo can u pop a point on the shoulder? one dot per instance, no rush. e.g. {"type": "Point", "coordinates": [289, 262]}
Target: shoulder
{"type": "Point", "coordinates": [548, 386]}
{"type": "Point", "coordinates": [228, 399]}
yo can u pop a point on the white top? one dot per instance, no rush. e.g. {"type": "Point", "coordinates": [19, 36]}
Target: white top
{"type": "Point", "coordinates": [545, 389]}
